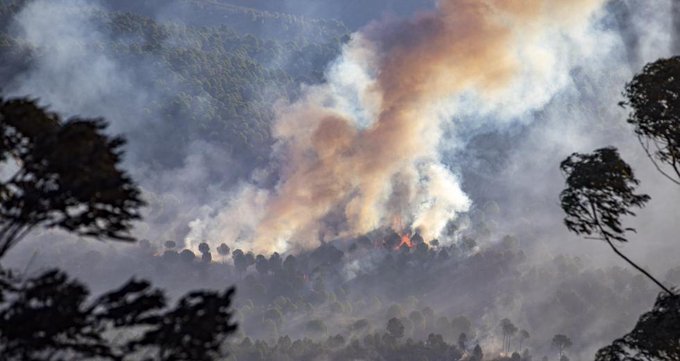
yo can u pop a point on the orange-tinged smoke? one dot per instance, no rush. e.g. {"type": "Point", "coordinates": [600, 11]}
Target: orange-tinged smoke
{"type": "Point", "coordinates": [349, 169]}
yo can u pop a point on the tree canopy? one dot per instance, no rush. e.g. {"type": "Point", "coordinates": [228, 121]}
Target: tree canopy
{"type": "Point", "coordinates": [600, 190]}
{"type": "Point", "coordinates": [62, 174]}
{"type": "Point", "coordinates": [653, 97]}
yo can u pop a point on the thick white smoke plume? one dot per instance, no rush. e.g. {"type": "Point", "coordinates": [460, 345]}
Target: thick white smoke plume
{"type": "Point", "coordinates": [362, 151]}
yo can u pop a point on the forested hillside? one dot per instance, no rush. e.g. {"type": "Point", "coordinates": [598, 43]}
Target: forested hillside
{"type": "Point", "coordinates": [288, 14]}
{"type": "Point", "coordinates": [220, 81]}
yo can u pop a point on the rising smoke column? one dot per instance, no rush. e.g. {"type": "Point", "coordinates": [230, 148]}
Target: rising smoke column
{"type": "Point", "coordinates": [358, 159]}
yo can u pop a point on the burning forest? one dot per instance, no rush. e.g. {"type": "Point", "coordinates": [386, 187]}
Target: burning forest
{"type": "Point", "coordinates": [466, 180]}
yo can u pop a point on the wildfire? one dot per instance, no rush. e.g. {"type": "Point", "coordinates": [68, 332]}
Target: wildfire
{"type": "Point", "coordinates": [398, 226]}
{"type": "Point", "coordinates": [405, 241]}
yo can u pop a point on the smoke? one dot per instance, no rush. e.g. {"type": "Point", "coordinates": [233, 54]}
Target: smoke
{"type": "Point", "coordinates": [362, 150]}
{"type": "Point", "coordinates": [675, 16]}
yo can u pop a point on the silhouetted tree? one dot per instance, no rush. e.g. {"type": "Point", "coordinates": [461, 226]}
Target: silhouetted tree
{"type": "Point", "coordinates": [653, 97]}
{"type": "Point", "coordinates": [241, 261]}
{"type": "Point", "coordinates": [395, 328]}
{"type": "Point", "coordinates": [204, 248]}
{"type": "Point", "coordinates": [67, 176]}
{"type": "Point", "coordinates": [523, 336]}
{"type": "Point", "coordinates": [223, 250]}
{"type": "Point", "coordinates": [600, 190]}
{"type": "Point", "coordinates": [509, 329]}
{"type": "Point", "coordinates": [194, 330]}
{"type": "Point", "coordinates": [477, 354]}
{"type": "Point", "coordinates": [462, 341]}
{"type": "Point", "coordinates": [656, 335]}
{"type": "Point", "coordinates": [561, 343]}
{"type": "Point", "coordinates": [261, 264]}
{"type": "Point", "coordinates": [50, 315]}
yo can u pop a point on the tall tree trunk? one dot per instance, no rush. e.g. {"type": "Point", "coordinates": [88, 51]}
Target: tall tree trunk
{"type": "Point", "coordinates": [616, 250]}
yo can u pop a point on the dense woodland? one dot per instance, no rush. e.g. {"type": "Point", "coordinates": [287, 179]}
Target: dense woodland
{"type": "Point", "coordinates": [219, 82]}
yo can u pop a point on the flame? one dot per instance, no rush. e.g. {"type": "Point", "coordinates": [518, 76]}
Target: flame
{"type": "Point", "coordinates": [405, 241]}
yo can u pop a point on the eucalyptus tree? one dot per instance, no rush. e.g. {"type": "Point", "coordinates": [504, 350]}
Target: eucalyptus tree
{"type": "Point", "coordinates": [600, 190]}
{"type": "Point", "coordinates": [653, 98]}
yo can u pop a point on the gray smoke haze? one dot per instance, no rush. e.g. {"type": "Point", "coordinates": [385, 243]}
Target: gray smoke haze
{"type": "Point", "coordinates": [506, 153]}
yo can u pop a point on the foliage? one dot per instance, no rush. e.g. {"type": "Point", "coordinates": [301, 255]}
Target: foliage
{"type": "Point", "coordinates": [67, 176]}
{"type": "Point", "coordinates": [395, 328]}
{"type": "Point", "coordinates": [509, 330]}
{"type": "Point", "coordinates": [194, 330]}
{"type": "Point", "coordinates": [600, 190]}
{"type": "Point", "coordinates": [656, 336]}
{"type": "Point", "coordinates": [561, 342]}
{"type": "Point", "coordinates": [653, 97]}
{"type": "Point", "coordinates": [51, 315]}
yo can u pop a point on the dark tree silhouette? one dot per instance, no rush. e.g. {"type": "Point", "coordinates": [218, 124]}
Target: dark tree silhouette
{"type": "Point", "coordinates": [600, 190]}
{"type": "Point", "coordinates": [477, 354]}
{"type": "Point", "coordinates": [561, 343]}
{"type": "Point", "coordinates": [395, 328]}
{"type": "Point", "coordinates": [656, 335]}
{"type": "Point", "coordinates": [223, 250]}
{"type": "Point", "coordinates": [462, 341]}
{"type": "Point", "coordinates": [653, 97]}
{"type": "Point", "coordinates": [66, 175]}
{"type": "Point", "coordinates": [509, 329]}
{"type": "Point", "coordinates": [50, 315]}
{"type": "Point", "coordinates": [194, 330]}
{"type": "Point", "coordinates": [523, 336]}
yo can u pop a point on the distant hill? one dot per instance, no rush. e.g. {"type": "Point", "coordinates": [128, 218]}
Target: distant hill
{"type": "Point", "coordinates": [224, 77]}
{"type": "Point", "coordinates": [260, 21]}
{"type": "Point", "coordinates": [352, 13]}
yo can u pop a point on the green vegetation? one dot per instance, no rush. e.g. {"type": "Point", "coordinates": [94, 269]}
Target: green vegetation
{"type": "Point", "coordinates": [218, 83]}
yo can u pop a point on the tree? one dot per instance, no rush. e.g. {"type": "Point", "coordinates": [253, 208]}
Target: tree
{"type": "Point", "coordinates": [67, 176]}
{"type": "Point", "coordinates": [194, 330]}
{"type": "Point", "coordinates": [600, 190]}
{"type": "Point", "coordinates": [509, 329]}
{"type": "Point", "coordinates": [223, 250]}
{"type": "Point", "coordinates": [96, 198]}
{"type": "Point", "coordinates": [523, 336]}
{"type": "Point", "coordinates": [477, 354]}
{"type": "Point", "coordinates": [261, 264]}
{"type": "Point", "coordinates": [50, 314]}
{"type": "Point", "coordinates": [656, 335]}
{"type": "Point", "coordinates": [395, 328]}
{"type": "Point", "coordinates": [561, 343]}
{"type": "Point", "coordinates": [462, 341]}
{"type": "Point", "coordinates": [653, 97]}
{"type": "Point", "coordinates": [204, 248]}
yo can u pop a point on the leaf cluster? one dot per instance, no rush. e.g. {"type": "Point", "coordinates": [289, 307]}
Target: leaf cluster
{"type": "Point", "coordinates": [63, 174]}
{"type": "Point", "coordinates": [52, 317]}
{"type": "Point", "coordinates": [600, 190]}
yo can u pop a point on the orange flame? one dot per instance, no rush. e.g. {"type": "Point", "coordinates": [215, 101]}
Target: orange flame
{"type": "Point", "coordinates": [405, 241]}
